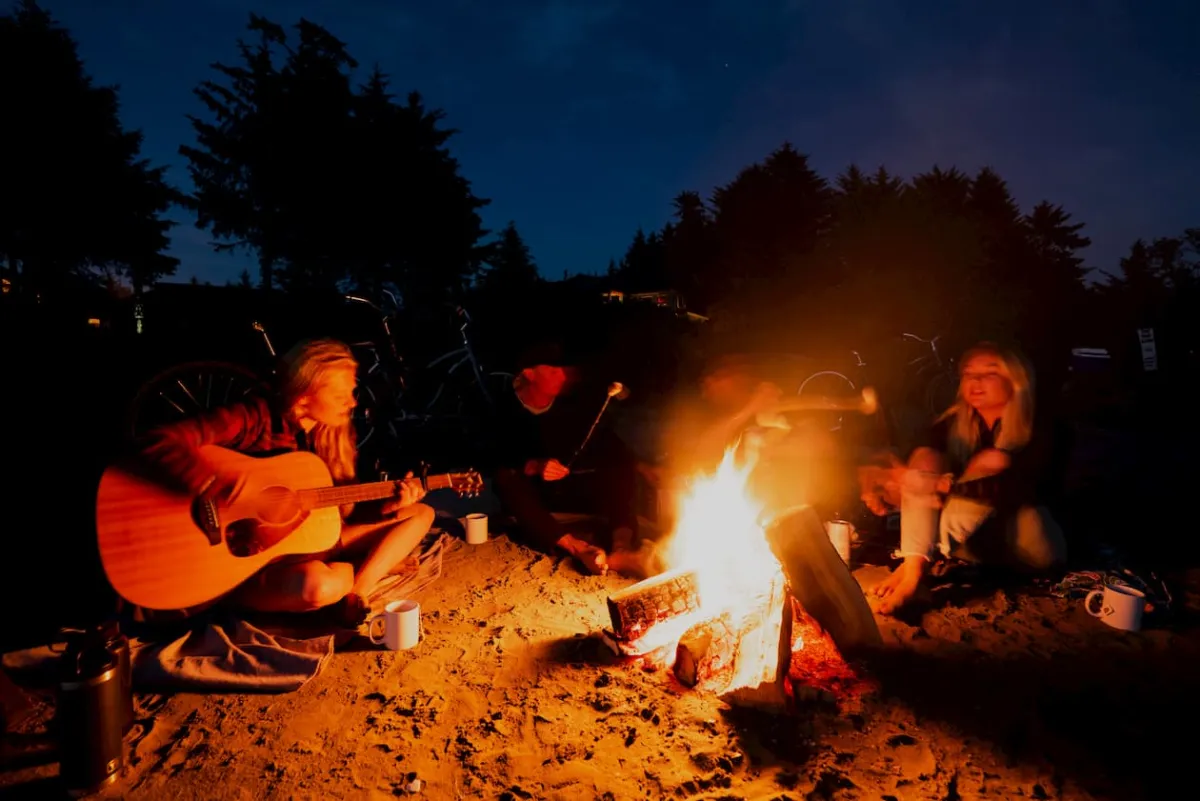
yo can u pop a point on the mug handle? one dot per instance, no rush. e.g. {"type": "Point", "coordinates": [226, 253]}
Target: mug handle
{"type": "Point", "coordinates": [1087, 603]}
{"type": "Point", "coordinates": [380, 618]}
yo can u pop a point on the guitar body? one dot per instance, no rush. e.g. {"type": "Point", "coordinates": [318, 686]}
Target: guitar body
{"type": "Point", "coordinates": [161, 549]}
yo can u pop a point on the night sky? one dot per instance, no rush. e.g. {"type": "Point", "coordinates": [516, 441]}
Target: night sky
{"type": "Point", "coordinates": [581, 119]}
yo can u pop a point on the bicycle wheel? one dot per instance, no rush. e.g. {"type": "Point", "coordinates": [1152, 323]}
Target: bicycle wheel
{"type": "Point", "coordinates": [189, 389]}
{"type": "Point", "coordinates": [366, 411]}
{"type": "Point", "coordinates": [830, 384]}
{"type": "Point", "coordinates": [940, 392]}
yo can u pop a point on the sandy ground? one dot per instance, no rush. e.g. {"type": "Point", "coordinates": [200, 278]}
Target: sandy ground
{"type": "Point", "coordinates": [1006, 695]}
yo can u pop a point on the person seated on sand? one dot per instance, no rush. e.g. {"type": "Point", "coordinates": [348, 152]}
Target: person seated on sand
{"type": "Point", "coordinates": [543, 422]}
{"type": "Point", "coordinates": [976, 488]}
{"type": "Point", "coordinates": [310, 411]}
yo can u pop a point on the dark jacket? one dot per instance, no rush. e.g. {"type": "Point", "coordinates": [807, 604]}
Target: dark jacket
{"type": "Point", "coordinates": [558, 432]}
{"type": "Point", "coordinates": [1036, 474]}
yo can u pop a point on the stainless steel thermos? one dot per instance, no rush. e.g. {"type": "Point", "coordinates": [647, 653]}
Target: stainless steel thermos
{"type": "Point", "coordinates": [118, 645]}
{"type": "Point", "coordinates": [94, 709]}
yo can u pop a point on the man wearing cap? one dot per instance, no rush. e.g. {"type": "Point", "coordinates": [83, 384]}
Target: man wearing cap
{"type": "Point", "coordinates": [544, 422]}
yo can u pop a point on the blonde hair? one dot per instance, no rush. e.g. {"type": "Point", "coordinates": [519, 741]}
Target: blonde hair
{"type": "Point", "coordinates": [1016, 423]}
{"type": "Point", "coordinates": [307, 367]}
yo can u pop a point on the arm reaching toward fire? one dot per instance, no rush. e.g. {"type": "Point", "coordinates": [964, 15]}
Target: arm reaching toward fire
{"type": "Point", "coordinates": [710, 445]}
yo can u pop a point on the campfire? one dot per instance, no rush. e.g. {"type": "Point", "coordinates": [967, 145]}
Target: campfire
{"type": "Point", "coordinates": [721, 619]}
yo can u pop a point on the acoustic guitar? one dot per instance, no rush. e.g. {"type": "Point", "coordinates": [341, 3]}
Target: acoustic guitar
{"type": "Point", "coordinates": [165, 549]}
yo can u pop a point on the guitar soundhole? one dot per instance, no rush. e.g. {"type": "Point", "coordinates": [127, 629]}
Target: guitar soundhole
{"type": "Point", "coordinates": [277, 512]}
{"type": "Point", "coordinates": [243, 538]}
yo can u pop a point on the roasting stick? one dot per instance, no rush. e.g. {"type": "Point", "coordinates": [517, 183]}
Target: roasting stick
{"type": "Point", "coordinates": [867, 403]}
{"type": "Point", "coordinates": [614, 389]}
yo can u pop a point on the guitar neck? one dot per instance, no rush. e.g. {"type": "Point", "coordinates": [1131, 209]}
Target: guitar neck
{"type": "Point", "coordinates": [361, 493]}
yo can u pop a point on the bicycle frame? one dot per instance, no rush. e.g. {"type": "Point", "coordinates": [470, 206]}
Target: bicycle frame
{"type": "Point", "coordinates": [857, 375]}
{"type": "Point", "coordinates": [934, 357]}
{"type": "Point", "coordinates": [465, 354]}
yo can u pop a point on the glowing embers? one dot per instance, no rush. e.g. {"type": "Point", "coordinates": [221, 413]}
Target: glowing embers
{"type": "Point", "coordinates": [721, 618]}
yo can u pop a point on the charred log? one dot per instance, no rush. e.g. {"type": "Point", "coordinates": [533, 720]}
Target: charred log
{"type": "Point", "coordinates": [706, 651]}
{"type": "Point", "coordinates": [821, 581]}
{"type": "Point", "coordinates": [637, 608]}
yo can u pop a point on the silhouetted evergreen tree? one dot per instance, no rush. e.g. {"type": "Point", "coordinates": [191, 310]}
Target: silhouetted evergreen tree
{"type": "Point", "coordinates": [77, 199]}
{"type": "Point", "coordinates": [643, 268]}
{"type": "Point", "coordinates": [264, 166]}
{"type": "Point", "coordinates": [511, 268]}
{"type": "Point", "coordinates": [326, 183]}
{"type": "Point", "coordinates": [767, 221]}
{"type": "Point", "coordinates": [816, 268]}
{"type": "Point", "coordinates": [690, 260]}
{"type": "Point", "coordinates": [1157, 286]}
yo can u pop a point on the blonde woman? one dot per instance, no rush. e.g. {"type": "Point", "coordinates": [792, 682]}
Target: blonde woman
{"type": "Point", "coordinates": [311, 411]}
{"type": "Point", "coordinates": [976, 488]}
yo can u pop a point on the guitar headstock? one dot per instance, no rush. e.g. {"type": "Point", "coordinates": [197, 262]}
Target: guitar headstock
{"type": "Point", "coordinates": [467, 484]}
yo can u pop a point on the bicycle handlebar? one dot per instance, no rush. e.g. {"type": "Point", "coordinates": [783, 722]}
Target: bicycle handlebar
{"type": "Point", "coordinates": [459, 311]}
{"type": "Point", "coordinates": [357, 299]}
{"type": "Point", "coordinates": [924, 341]}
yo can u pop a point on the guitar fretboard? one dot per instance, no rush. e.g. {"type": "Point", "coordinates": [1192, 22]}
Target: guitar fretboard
{"type": "Point", "coordinates": [359, 493]}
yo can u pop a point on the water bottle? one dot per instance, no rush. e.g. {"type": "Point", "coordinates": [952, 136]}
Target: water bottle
{"type": "Point", "coordinates": [93, 705]}
{"type": "Point", "coordinates": [118, 645]}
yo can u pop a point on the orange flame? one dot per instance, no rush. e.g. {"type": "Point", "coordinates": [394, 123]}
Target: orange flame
{"type": "Point", "coordinates": [718, 534]}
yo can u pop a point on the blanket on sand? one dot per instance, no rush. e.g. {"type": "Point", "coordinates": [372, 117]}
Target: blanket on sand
{"type": "Point", "coordinates": [220, 651]}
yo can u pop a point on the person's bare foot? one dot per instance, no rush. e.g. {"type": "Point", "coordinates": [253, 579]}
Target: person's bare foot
{"type": "Point", "coordinates": [593, 559]}
{"type": "Point", "coordinates": [900, 587]}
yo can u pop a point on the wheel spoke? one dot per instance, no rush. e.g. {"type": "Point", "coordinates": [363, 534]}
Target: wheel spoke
{"type": "Point", "coordinates": [175, 405]}
{"type": "Point", "coordinates": [188, 392]}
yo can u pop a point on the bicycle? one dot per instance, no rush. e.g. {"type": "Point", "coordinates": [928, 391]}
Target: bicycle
{"type": "Point", "coordinates": [192, 388]}
{"type": "Point", "coordinates": [197, 387]}
{"type": "Point", "coordinates": [935, 377]}
{"type": "Point", "coordinates": [392, 378]}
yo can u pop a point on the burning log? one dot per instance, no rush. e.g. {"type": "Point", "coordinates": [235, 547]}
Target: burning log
{"type": "Point", "coordinates": [637, 608]}
{"type": "Point", "coordinates": [705, 650]}
{"type": "Point", "coordinates": [764, 653]}
{"type": "Point", "coordinates": [742, 654]}
{"type": "Point", "coordinates": [821, 581]}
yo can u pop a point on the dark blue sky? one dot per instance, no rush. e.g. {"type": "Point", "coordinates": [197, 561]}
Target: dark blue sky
{"type": "Point", "coordinates": [581, 119]}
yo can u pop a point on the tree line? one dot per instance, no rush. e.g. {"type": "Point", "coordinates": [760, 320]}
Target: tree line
{"type": "Point", "coordinates": [331, 181]}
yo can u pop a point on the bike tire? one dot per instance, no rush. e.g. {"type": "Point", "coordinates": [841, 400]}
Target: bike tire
{"type": "Point", "coordinates": [941, 392]}
{"type": "Point", "coordinates": [188, 389]}
{"type": "Point", "coordinates": [823, 373]}
{"type": "Point", "coordinates": [837, 379]}
{"type": "Point", "coordinates": [367, 408]}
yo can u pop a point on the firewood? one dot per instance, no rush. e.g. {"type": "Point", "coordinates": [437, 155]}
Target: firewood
{"type": "Point", "coordinates": [765, 632]}
{"type": "Point", "coordinates": [821, 581]}
{"type": "Point", "coordinates": [632, 649]}
{"type": "Point", "coordinates": [705, 651]}
{"type": "Point", "coordinates": [635, 609]}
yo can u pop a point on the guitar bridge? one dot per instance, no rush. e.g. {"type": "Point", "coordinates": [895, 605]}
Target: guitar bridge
{"type": "Point", "coordinates": [208, 518]}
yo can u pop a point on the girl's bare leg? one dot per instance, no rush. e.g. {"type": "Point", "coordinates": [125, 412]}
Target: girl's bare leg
{"type": "Point", "coordinates": [296, 587]}
{"type": "Point", "coordinates": [387, 543]}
